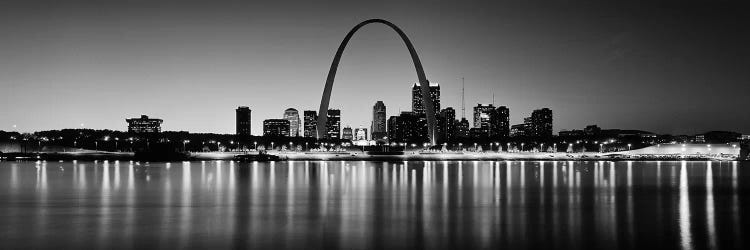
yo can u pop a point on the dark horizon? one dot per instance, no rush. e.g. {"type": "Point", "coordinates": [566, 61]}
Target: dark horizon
{"type": "Point", "coordinates": [668, 68]}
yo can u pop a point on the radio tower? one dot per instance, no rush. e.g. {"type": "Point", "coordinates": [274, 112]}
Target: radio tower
{"type": "Point", "coordinates": [463, 104]}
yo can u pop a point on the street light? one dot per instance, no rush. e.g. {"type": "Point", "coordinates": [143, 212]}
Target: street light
{"type": "Point", "coordinates": [522, 147]}
{"type": "Point", "coordinates": [184, 145]}
{"type": "Point", "coordinates": [255, 145]}
{"type": "Point", "coordinates": [629, 145]}
{"type": "Point", "coordinates": [508, 149]}
{"type": "Point", "coordinates": [271, 145]}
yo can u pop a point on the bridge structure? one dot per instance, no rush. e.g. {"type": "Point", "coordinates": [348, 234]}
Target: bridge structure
{"type": "Point", "coordinates": [423, 83]}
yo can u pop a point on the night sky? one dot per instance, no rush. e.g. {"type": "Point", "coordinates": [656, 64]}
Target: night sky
{"type": "Point", "coordinates": [673, 67]}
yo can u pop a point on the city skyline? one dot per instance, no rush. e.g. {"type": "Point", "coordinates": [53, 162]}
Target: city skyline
{"type": "Point", "coordinates": [582, 66]}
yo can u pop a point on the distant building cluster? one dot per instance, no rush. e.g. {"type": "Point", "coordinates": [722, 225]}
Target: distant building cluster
{"type": "Point", "coordinates": [489, 125]}
{"type": "Point", "coordinates": [489, 122]}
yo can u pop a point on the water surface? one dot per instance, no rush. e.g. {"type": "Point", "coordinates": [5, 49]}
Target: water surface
{"type": "Point", "coordinates": [374, 205]}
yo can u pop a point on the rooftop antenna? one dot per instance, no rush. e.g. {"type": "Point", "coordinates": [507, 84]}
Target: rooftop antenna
{"type": "Point", "coordinates": [493, 98]}
{"type": "Point", "coordinates": [463, 103]}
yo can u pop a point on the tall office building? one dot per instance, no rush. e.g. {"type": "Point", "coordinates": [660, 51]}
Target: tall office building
{"type": "Point", "coordinates": [276, 127]}
{"type": "Point", "coordinates": [482, 114]}
{"type": "Point", "coordinates": [333, 124]}
{"type": "Point", "coordinates": [500, 122]}
{"type": "Point", "coordinates": [394, 129]}
{"type": "Point", "coordinates": [448, 124]}
{"type": "Point", "coordinates": [243, 121]}
{"type": "Point", "coordinates": [417, 105]}
{"type": "Point", "coordinates": [378, 127]}
{"type": "Point", "coordinates": [347, 133]}
{"type": "Point", "coordinates": [144, 125]}
{"type": "Point", "coordinates": [292, 116]}
{"type": "Point", "coordinates": [311, 123]}
{"type": "Point", "coordinates": [405, 128]}
{"type": "Point", "coordinates": [541, 123]}
{"type": "Point", "coordinates": [462, 128]}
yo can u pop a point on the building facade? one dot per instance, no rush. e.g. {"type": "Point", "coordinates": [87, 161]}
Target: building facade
{"type": "Point", "coordinates": [518, 130]}
{"type": "Point", "coordinates": [462, 128]}
{"type": "Point", "coordinates": [406, 128]}
{"type": "Point", "coordinates": [333, 124]}
{"type": "Point", "coordinates": [417, 104]}
{"type": "Point", "coordinates": [500, 122]}
{"type": "Point", "coordinates": [360, 134]}
{"type": "Point", "coordinates": [144, 125]}
{"type": "Point", "coordinates": [541, 123]}
{"type": "Point", "coordinates": [378, 127]}
{"type": "Point", "coordinates": [276, 127]}
{"type": "Point", "coordinates": [347, 134]}
{"type": "Point", "coordinates": [482, 115]}
{"type": "Point", "coordinates": [242, 121]}
{"type": "Point", "coordinates": [292, 116]}
{"type": "Point", "coordinates": [447, 124]}
{"type": "Point", "coordinates": [310, 123]}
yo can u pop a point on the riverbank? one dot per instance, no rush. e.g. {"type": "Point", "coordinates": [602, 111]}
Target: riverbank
{"type": "Point", "coordinates": [363, 156]}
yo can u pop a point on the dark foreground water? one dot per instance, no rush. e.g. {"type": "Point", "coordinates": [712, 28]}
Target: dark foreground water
{"type": "Point", "coordinates": [375, 205]}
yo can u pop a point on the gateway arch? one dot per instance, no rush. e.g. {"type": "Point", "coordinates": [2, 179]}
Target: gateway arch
{"type": "Point", "coordinates": [424, 84]}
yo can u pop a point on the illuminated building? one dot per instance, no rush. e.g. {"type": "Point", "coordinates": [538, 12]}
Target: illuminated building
{"type": "Point", "coordinates": [346, 133]}
{"type": "Point", "coordinates": [417, 105]}
{"type": "Point", "coordinates": [462, 128]}
{"type": "Point", "coordinates": [276, 127]}
{"type": "Point", "coordinates": [144, 125]}
{"type": "Point", "coordinates": [378, 127]}
{"type": "Point", "coordinates": [541, 123]}
{"type": "Point", "coordinates": [292, 116]}
{"type": "Point", "coordinates": [482, 114]}
{"type": "Point", "coordinates": [500, 122]}
{"type": "Point", "coordinates": [360, 134]}
{"type": "Point", "coordinates": [310, 121]}
{"type": "Point", "coordinates": [333, 124]}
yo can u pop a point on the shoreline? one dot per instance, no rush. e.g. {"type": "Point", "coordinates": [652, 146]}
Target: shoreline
{"type": "Point", "coordinates": [359, 156]}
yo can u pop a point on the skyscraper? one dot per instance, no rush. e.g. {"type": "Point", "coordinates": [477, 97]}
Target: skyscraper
{"type": "Point", "coordinates": [462, 128]}
{"type": "Point", "coordinates": [417, 105]}
{"type": "Point", "coordinates": [378, 127]}
{"type": "Point", "coordinates": [541, 123]}
{"type": "Point", "coordinates": [276, 127]}
{"type": "Point", "coordinates": [292, 116]}
{"type": "Point", "coordinates": [333, 124]}
{"type": "Point", "coordinates": [448, 123]}
{"type": "Point", "coordinates": [500, 122]}
{"type": "Point", "coordinates": [482, 114]}
{"type": "Point", "coordinates": [347, 133]}
{"type": "Point", "coordinates": [311, 119]}
{"type": "Point", "coordinates": [243, 121]}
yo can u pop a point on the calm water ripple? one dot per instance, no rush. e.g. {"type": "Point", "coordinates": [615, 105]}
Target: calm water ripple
{"type": "Point", "coordinates": [374, 205]}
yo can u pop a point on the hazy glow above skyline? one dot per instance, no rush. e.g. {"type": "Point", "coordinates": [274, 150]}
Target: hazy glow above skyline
{"type": "Point", "coordinates": [666, 69]}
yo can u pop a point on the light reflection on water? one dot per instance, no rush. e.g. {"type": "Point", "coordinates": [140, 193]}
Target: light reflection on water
{"type": "Point", "coordinates": [318, 204]}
